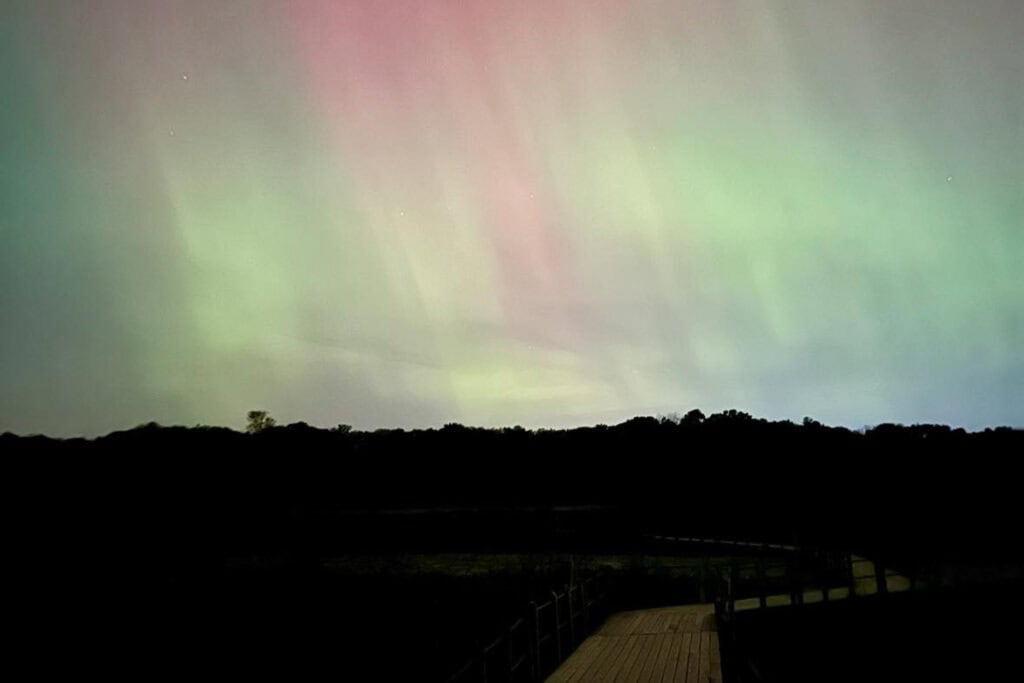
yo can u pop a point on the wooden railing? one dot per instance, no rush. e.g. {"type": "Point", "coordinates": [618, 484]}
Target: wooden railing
{"type": "Point", "coordinates": [795, 578]}
{"type": "Point", "coordinates": [798, 577]}
{"type": "Point", "coordinates": [535, 644]}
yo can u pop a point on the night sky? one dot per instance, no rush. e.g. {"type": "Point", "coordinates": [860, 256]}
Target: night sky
{"type": "Point", "coordinates": [395, 214]}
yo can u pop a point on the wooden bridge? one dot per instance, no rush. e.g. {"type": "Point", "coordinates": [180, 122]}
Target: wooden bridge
{"type": "Point", "coordinates": [667, 644]}
{"type": "Point", "coordinates": [680, 644]}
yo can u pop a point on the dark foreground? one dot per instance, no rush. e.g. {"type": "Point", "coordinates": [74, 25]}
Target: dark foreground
{"type": "Point", "coordinates": [204, 550]}
{"type": "Point", "coordinates": [965, 634]}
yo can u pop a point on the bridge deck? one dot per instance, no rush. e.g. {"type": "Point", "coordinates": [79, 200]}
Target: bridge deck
{"type": "Point", "coordinates": [663, 644]}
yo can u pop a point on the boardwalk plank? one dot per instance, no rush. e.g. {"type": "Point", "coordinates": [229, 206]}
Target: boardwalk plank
{"type": "Point", "coordinates": [715, 669]}
{"type": "Point", "coordinates": [609, 627]}
{"type": "Point", "coordinates": [611, 648]}
{"type": "Point", "coordinates": [643, 642]}
{"type": "Point", "coordinates": [588, 672]}
{"type": "Point", "coordinates": [705, 656]}
{"type": "Point", "coordinates": [648, 671]}
{"type": "Point", "coordinates": [664, 644]}
{"type": "Point", "coordinates": [583, 655]}
{"type": "Point", "coordinates": [629, 624]}
{"type": "Point", "coordinates": [662, 658]}
{"type": "Point", "coordinates": [614, 662]}
{"type": "Point", "coordinates": [683, 661]}
{"type": "Point", "coordinates": [640, 643]}
{"type": "Point", "coordinates": [667, 671]}
{"type": "Point", "coordinates": [610, 624]}
{"type": "Point", "coordinates": [693, 662]}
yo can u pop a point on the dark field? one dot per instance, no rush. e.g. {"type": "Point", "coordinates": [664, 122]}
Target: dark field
{"type": "Point", "coordinates": [968, 634]}
{"type": "Point", "coordinates": [355, 612]}
{"type": "Point", "coordinates": [405, 617]}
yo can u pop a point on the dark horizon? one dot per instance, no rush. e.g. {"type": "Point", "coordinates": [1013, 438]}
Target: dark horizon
{"type": "Point", "coordinates": [661, 418]}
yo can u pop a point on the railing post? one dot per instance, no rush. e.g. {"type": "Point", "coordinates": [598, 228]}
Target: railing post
{"type": "Point", "coordinates": [762, 588]}
{"type": "Point", "coordinates": [792, 569]}
{"type": "Point", "coordinates": [572, 619]}
{"type": "Point", "coordinates": [586, 607]}
{"type": "Point", "coordinates": [511, 652]}
{"type": "Point", "coordinates": [730, 593]}
{"type": "Point", "coordinates": [534, 639]}
{"type": "Point", "coordinates": [880, 582]}
{"type": "Point", "coordinates": [702, 589]}
{"type": "Point", "coordinates": [558, 627]}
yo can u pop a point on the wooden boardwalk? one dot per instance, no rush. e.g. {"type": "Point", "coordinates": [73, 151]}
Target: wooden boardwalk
{"type": "Point", "coordinates": [681, 643]}
{"type": "Point", "coordinates": [678, 644]}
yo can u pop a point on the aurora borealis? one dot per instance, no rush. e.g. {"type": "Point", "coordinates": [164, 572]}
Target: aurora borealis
{"type": "Point", "coordinates": [395, 213]}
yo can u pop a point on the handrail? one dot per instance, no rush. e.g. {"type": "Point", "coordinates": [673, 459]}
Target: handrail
{"type": "Point", "coordinates": [803, 569]}
{"type": "Point", "coordinates": [824, 573]}
{"type": "Point", "coordinates": [543, 648]}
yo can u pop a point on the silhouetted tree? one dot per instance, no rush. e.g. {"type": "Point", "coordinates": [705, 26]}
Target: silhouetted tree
{"type": "Point", "coordinates": [694, 417]}
{"type": "Point", "coordinates": [258, 421]}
